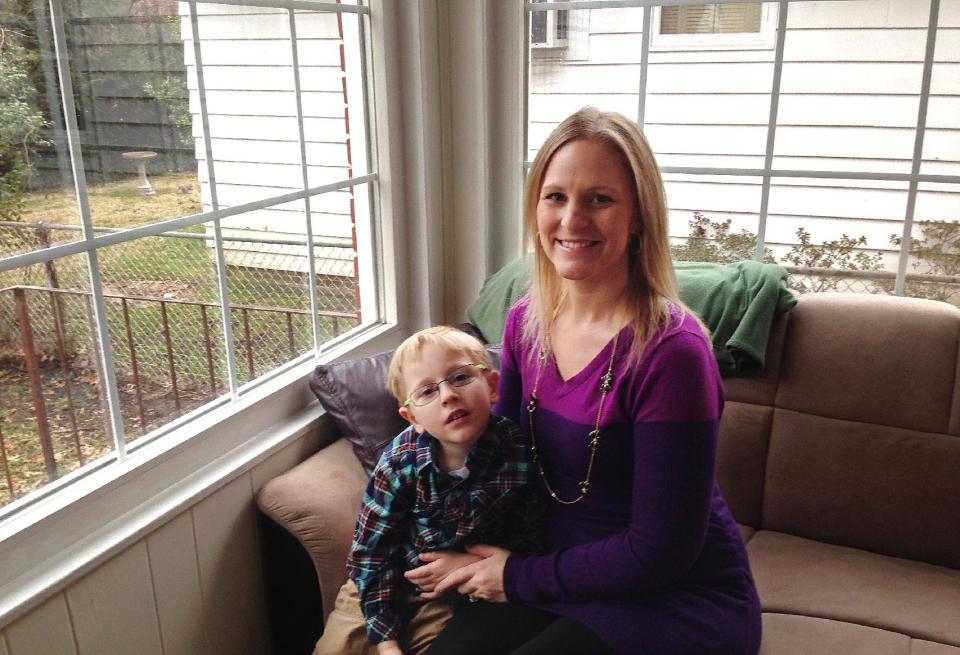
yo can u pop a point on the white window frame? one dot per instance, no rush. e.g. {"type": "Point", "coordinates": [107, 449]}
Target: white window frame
{"type": "Point", "coordinates": [765, 39]}
{"type": "Point", "coordinates": [72, 526]}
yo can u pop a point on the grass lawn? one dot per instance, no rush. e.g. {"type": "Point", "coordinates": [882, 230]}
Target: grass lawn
{"type": "Point", "coordinates": [117, 204]}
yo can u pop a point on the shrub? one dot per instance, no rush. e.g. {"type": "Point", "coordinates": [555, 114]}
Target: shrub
{"type": "Point", "coordinates": [712, 242]}
{"type": "Point", "coordinates": [845, 253]}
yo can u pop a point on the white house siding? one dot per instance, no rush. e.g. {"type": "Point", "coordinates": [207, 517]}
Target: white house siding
{"type": "Point", "coordinates": [251, 105]}
{"type": "Point", "coordinates": [849, 100]}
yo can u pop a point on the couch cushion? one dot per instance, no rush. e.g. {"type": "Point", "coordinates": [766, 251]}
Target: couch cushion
{"type": "Point", "coordinates": [742, 458]}
{"type": "Point", "coordinates": [891, 361]}
{"type": "Point", "coordinates": [789, 634]}
{"type": "Point", "coordinates": [800, 576]}
{"type": "Point", "coordinates": [884, 489]}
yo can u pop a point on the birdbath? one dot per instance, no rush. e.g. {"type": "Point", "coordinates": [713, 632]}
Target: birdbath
{"type": "Point", "coordinates": [140, 158]}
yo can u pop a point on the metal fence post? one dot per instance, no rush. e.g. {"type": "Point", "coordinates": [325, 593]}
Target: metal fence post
{"type": "Point", "coordinates": [6, 464]}
{"type": "Point", "coordinates": [36, 383]}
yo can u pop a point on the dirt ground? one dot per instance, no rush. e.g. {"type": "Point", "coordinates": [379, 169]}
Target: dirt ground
{"type": "Point", "coordinates": [76, 420]}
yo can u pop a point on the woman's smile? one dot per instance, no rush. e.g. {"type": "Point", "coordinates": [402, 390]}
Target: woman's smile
{"type": "Point", "coordinates": [586, 211]}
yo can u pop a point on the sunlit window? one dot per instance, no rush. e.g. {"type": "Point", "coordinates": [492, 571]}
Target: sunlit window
{"type": "Point", "coordinates": [184, 210]}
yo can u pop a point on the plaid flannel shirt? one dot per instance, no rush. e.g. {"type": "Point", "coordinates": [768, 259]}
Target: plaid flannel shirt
{"type": "Point", "coordinates": [411, 506]}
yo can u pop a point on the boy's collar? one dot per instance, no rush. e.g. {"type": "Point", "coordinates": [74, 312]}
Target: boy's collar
{"type": "Point", "coordinates": [486, 445]}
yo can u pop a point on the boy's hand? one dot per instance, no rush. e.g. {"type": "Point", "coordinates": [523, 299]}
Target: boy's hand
{"type": "Point", "coordinates": [389, 647]}
{"type": "Point", "coordinates": [438, 565]}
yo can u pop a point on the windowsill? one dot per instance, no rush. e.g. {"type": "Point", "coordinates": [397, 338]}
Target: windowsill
{"type": "Point", "coordinates": [63, 536]}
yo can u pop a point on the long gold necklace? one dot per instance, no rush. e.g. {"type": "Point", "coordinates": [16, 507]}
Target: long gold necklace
{"type": "Point", "coordinates": [606, 383]}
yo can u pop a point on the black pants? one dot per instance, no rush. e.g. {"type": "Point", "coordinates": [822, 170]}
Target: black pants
{"type": "Point", "coordinates": [511, 629]}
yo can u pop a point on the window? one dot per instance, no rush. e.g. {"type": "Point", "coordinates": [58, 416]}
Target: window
{"type": "Point", "coordinates": [764, 146]}
{"type": "Point", "coordinates": [734, 25]}
{"type": "Point", "coordinates": [192, 215]}
{"type": "Point", "coordinates": [736, 17]}
{"type": "Point", "coordinates": [548, 29]}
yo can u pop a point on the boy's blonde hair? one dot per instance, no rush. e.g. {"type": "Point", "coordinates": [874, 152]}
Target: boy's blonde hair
{"type": "Point", "coordinates": [442, 335]}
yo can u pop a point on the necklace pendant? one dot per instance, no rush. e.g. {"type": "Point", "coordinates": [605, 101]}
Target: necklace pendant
{"type": "Point", "coordinates": [594, 438]}
{"type": "Point", "coordinates": [606, 382]}
{"type": "Point", "coordinates": [584, 487]}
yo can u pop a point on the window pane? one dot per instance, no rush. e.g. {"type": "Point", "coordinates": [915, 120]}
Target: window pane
{"type": "Point", "coordinates": [130, 89]}
{"type": "Point", "coordinates": [252, 112]}
{"type": "Point", "coordinates": [36, 179]}
{"type": "Point", "coordinates": [838, 225]}
{"type": "Point", "coordinates": [941, 143]}
{"type": "Point", "coordinates": [332, 93]}
{"type": "Point", "coordinates": [713, 218]}
{"type": "Point", "coordinates": [166, 327]}
{"type": "Point", "coordinates": [53, 417]}
{"type": "Point", "coordinates": [708, 107]}
{"type": "Point", "coordinates": [849, 92]}
{"type": "Point", "coordinates": [599, 66]}
{"type": "Point", "coordinates": [935, 249]}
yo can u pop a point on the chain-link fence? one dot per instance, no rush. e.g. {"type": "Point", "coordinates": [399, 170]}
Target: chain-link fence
{"type": "Point", "coordinates": [167, 336]}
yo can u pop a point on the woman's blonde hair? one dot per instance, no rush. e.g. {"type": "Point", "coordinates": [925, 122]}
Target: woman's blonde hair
{"type": "Point", "coordinates": [444, 336]}
{"type": "Point", "coordinates": [651, 283]}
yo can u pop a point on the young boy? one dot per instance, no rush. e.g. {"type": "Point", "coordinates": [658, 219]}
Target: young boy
{"type": "Point", "coordinates": [456, 476]}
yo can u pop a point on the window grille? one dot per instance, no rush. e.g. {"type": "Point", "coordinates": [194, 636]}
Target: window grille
{"type": "Point", "coordinates": [194, 218]}
{"type": "Point", "coordinates": [751, 114]}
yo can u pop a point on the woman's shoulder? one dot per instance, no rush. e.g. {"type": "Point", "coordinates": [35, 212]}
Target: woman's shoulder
{"type": "Point", "coordinates": [683, 334]}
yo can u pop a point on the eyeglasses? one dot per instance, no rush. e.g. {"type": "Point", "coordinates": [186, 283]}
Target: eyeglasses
{"type": "Point", "coordinates": [459, 377]}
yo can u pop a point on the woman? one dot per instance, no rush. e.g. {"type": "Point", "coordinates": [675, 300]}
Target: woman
{"type": "Point", "coordinates": [615, 384]}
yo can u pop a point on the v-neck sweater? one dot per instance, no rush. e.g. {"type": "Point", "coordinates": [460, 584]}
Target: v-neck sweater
{"type": "Point", "coordinates": [651, 559]}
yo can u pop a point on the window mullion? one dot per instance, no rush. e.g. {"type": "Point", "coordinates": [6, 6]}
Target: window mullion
{"type": "Point", "coordinates": [907, 236]}
{"type": "Point", "coordinates": [644, 61]}
{"type": "Point", "coordinates": [217, 233]}
{"type": "Point", "coordinates": [109, 379]}
{"type": "Point", "coordinates": [771, 130]}
{"type": "Point", "coordinates": [311, 263]}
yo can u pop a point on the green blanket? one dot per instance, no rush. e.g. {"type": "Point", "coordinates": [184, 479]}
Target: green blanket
{"type": "Point", "coordinates": [738, 302]}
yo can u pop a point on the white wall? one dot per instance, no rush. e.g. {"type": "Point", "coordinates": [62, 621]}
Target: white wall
{"type": "Point", "coordinates": [849, 100]}
{"type": "Point", "coordinates": [193, 585]}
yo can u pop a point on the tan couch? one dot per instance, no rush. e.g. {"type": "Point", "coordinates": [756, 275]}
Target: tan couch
{"type": "Point", "coordinates": [841, 461]}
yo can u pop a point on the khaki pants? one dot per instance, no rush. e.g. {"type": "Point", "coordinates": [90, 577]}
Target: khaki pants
{"type": "Point", "coordinates": [345, 632]}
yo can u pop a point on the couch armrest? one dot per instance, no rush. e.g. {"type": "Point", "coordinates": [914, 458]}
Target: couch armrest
{"type": "Point", "coordinates": [317, 502]}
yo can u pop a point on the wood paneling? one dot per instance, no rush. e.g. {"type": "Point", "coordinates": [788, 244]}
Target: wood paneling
{"type": "Point", "coordinates": [234, 612]}
{"type": "Point", "coordinates": [113, 608]}
{"type": "Point", "coordinates": [176, 583]}
{"type": "Point", "coordinates": [44, 630]}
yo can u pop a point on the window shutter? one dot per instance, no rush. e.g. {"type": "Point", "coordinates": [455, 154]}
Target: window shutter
{"type": "Point", "coordinates": [737, 17]}
{"type": "Point", "coordinates": [711, 19]}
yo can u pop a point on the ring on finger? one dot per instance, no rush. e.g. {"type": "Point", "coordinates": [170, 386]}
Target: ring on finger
{"type": "Point", "coordinates": [472, 598]}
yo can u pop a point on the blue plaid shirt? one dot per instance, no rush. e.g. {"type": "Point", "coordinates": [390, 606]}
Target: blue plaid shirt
{"type": "Point", "coordinates": [411, 507]}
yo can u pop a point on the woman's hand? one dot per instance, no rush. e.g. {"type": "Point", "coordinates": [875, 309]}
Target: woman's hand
{"type": "Point", "coordinates": [439, 565]}
{"type": "Point", "coordinates": [482, 580]}
{"type": "Point", "coordinates": [390, 647]}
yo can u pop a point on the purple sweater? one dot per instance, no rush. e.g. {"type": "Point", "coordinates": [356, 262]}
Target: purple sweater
{"type": "Point", "coordinates": [651, 559]}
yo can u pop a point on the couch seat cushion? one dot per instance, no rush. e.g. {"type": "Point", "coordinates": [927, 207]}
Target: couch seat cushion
{"type": "Point", "coordinates": [814, 579]}
{"type": "Point", "coordinates": [788, 634]}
